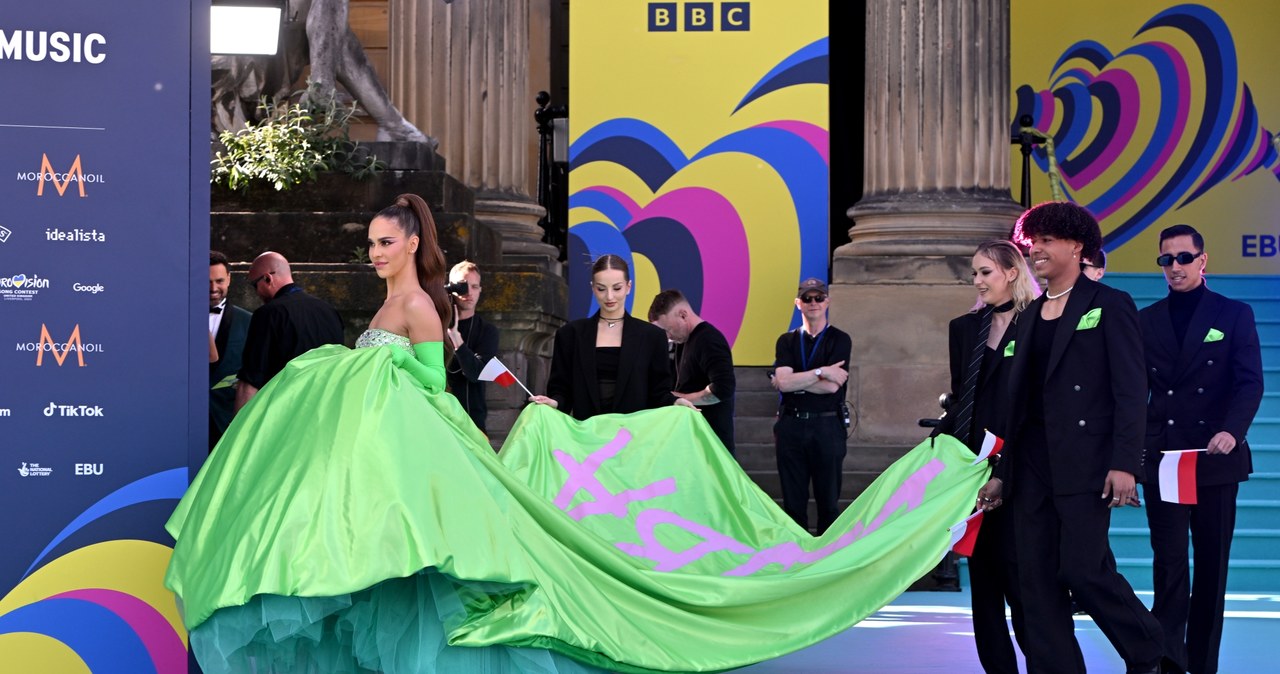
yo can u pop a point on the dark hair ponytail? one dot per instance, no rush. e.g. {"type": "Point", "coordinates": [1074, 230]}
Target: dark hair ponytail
{"type": "Point", "coordinates": [414, 218]}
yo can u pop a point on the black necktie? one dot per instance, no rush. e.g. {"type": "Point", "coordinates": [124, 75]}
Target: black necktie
{"type": "Point", "coordinates": [969, 386]}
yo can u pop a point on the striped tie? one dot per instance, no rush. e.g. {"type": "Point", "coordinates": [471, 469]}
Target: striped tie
{"type": "Point", "coordinates": [964, 417]}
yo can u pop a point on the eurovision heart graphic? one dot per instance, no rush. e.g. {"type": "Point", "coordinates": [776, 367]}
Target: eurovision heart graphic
{"type": "Point", "coordinates": [1114, 161]}
{"type": "Point", "coordinates": [695, 235]}
{"type": "Point", "coordinates": [85, 608]}
{"type": "Point", "coordinates": [18, 280]}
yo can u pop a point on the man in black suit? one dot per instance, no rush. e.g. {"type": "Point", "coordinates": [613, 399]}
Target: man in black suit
{"type": "Point", "coordinates": [810, 371]}
{"type": "Point", "coordinates": [229, 325]}
{"type": "Point", "coordinates": [1204, 374]}
{"type": "Point", "coordinates": [1077, 394]}
{"type": "Point", "coordinates": [290, 324]}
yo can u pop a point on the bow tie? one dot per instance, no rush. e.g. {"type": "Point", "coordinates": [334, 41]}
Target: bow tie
{"type": "Point", "coordinates": [215, 310]}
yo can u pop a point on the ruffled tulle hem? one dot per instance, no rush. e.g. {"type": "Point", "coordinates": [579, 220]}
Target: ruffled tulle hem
{"type": "Point", "coordinates": [399, 626]}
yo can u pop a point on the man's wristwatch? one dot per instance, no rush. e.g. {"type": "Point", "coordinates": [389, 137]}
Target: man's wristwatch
{"type": "Point", "coordinates": [818, 372]}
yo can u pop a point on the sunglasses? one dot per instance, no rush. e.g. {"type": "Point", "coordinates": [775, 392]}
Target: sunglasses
{"type": "Point", "coordinates": [1184, 257]}
{"type": "Point", "coordinates": [813, 299]}
{"type": "Point", "coordinates": [255, 281]}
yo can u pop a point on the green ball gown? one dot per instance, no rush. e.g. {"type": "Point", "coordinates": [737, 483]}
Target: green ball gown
{"type": "Point", "coordinates": [353, 519]}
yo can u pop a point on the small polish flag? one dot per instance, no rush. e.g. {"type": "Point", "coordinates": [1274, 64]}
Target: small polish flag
{"type": "Point", "coordinates": [498, 373]}
{"type": "Point", "coordinates": [991, 446]}
{"type": "Point", "coordinates": [1178, 476]}
{"type": "Point", "coordinates": [965, 534]}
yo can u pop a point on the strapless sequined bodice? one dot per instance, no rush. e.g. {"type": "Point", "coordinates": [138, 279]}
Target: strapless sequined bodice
{"type": "Point", "coordinates": [378, 337]}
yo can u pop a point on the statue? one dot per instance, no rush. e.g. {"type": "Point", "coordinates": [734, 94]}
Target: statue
{"type": "Point", "coordinates": [315, 32]}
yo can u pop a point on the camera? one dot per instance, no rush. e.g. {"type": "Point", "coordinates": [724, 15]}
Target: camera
{"type": "Point", "coordinates": [461, 289]}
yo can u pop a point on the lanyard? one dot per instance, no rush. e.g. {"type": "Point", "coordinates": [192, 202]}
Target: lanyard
{"type": "Point", "coordinates": [804, 359]}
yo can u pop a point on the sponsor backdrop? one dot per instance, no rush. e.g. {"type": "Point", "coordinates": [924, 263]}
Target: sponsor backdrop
{"type": "Point", "coordinates": [1164, 113]}
{"type": "Point", "coordinates": [103, 223]}
{"type": "Point", "coordinates": [698, 152]}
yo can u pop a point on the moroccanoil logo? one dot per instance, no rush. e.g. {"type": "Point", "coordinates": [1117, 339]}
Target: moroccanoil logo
{"type": "Point", "coordinates": [61, 179]}
{"type": "Point", "coordinates": [59, 349]}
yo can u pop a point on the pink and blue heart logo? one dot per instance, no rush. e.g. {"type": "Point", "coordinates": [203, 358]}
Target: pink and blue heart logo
{"type": "Point", "coordinates": [695, 235]}
{"type": "Point", "coordinates": [1206, 130]}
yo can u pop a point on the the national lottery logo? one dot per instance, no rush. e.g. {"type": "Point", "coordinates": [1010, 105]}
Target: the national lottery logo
{"type": "Point", "coordinates": [21, 287]}
{"type": "Point", "coordinates": [34, 470]}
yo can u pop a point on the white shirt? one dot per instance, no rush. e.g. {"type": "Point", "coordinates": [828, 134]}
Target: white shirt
{"type": "Point", "coordinates": [215, 320]}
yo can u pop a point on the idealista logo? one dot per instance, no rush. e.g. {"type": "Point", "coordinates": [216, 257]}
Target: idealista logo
{"type": "Point", "coordinates": [4, 233]}
{"type": "Point", "coordinates": [58, 46]}
{"type": "Point", "coordinates": [22, 287]}
{"type": "Point", "coordinates": [34, 470]}
{"type": "Point", "coordinates": [74, 410]}
{"type": "Point", "coordinates": [61, 180]}
{"type": "Point", "coordinates": [60, 349]}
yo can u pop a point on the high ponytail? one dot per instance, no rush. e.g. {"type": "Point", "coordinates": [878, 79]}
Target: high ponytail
{"type": "Point", "coordinates": [414, 218]}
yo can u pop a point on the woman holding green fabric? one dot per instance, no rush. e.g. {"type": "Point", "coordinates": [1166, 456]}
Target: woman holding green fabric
{"type": "Point", "coordinates": [310, 541]}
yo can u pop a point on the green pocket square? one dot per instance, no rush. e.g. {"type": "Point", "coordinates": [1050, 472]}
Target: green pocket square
{"type": "Point", "coordinates": [1008, 349]}
{"type": "Point", "coordinates": [1090, 320]}
{"type": "Point", "coordinates": [227, 382]}
{"type": "Point", "coordinates": [1215, 335]}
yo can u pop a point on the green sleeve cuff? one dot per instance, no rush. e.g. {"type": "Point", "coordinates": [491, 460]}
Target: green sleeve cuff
{"type": "Point", "coordinates": [427, 365]}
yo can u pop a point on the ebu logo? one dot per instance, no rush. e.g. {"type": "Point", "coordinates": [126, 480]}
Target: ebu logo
{"type": "Point", "coordinates": [59, 349]}
{"type": "Point", "coordinates": [61, 181]}
{"type": "Point", "coordinates": [699, 17]}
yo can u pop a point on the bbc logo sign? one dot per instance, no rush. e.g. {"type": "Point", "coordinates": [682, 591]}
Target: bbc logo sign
{"type": "Point", "coordinates": [699, 17]}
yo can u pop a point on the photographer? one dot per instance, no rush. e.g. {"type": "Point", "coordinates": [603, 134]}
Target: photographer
{"type": "Point", "coordinates": [474, 341]}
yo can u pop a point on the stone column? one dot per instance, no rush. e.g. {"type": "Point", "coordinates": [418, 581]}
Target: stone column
{"type": "Point", "coordinates": [466, 72]}
{"type": "Point", "coordinates": [936, 183]}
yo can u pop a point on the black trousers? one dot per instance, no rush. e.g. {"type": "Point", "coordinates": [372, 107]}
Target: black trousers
{"type": "Point", "coordinates": [1190, 610]}
{"type": "Point", "coordinates": [1062, 545]}
{"type": "Point", "coordinates": [993, 581]}
{"type": "Point", "coordinates": [810, 451]}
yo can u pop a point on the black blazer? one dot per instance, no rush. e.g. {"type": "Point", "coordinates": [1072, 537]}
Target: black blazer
{"type": "Point", "coordinates": [230, 339]}
{"type": "Point", "coordinates": [1094, 390]}
{"type": "Point", "coordinates": [1200, 388]}
{"type": "Point", "coordinates": [644, 374]}
{"type": "Point", "coordinates": [989, 408]}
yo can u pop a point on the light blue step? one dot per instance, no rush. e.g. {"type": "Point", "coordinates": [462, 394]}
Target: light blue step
{"type": "Point", "coordinates": [1255, 544]}
{"type": "Point", "coordinates": [1243, 575]}
{"type": "Point", "coordinates": [1266, 456]}
{"type": "Point", "coordinates": [1262, 485]}
{"type": "Point", "coordinates": [1268, 328]}
{"type": "Point", "coordinates": [1270, 406]}
{"type": "Point", "coordinates": [1270, 377]}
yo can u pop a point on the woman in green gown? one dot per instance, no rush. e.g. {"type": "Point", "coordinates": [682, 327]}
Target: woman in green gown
{"type": "Point", "coordinates": [353, 519]}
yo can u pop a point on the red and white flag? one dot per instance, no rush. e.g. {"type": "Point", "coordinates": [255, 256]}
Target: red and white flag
{"type": "Point", "coordinates": [498, 373]}
{"type": "Point", "coordinates": [1178, 476]}
{"type": "Point", "coordinates": [965, 534]}
{"type": "Point", "coordinates": [991, 446]}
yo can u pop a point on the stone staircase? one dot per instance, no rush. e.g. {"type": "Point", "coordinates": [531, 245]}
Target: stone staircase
{"type": "Point", "coordinates": [1255, 550]}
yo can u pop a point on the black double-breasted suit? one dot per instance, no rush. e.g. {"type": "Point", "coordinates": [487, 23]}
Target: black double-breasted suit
{"type": "Point", "coordinates": [233, 329]}
{"type": "Point", "coordinates": [1089, 421]}
{"type": "Point", "coordinates": [644, 371]}
{"type": "Point", "coordinates": [1209, 383]}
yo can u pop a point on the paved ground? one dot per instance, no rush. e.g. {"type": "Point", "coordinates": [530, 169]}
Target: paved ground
{"type": "Point", "coordinates": [923, 632]}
